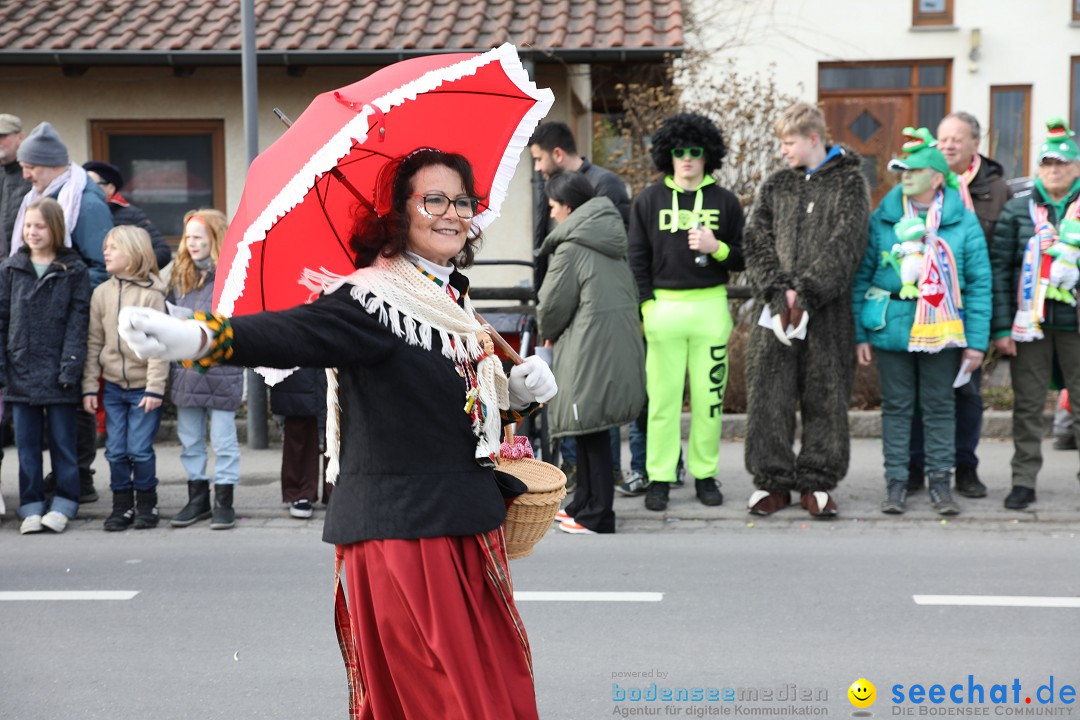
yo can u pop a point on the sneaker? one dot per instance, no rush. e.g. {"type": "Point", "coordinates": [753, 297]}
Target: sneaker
{"type": "Point", "coordinates": [1065, 442]}
{"type": "Point", "coordinates": [895, 502]}
{"type": "Point", "coordinates": [561, 516]}
{"type": "Point", "coordinates": [1020, 497]}
{"type": "Point", "coordinates": [57, 522]}
{"type": "Point", "coordinates": [765, 502]}
{"type": "Point", "coordinates": [707, 492]}
{"type": "Point", "coordinates": [569, 526]}
{"type": "Point", "coordinates": [819, 504]}
{"type": "Point", "coordinates": [633, 484]}
{"type": "Point", "coordinates": [916, 477]}
{"type": "Point", "coordinates": [656, 497]}
{"type": "Point", "coordinates": [30, 524]}
{"type": "Point", "coordinates": [942, 499]}
{"type": "Point", "coordinates": [301, 509]}
{"type": "Point", "coordinates": [967, 481]}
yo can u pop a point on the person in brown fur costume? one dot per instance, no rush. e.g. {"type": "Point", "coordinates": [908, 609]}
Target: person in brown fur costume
{"type": "Point", "coordinates": [804, 241]}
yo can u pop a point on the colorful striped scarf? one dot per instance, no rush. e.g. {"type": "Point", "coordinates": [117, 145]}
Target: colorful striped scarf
{"type": "Point", "coordinates": [939, 322]}
{"type": "Point", "coordinates": [1035, 273]}
{"type": "Point", "coordinates": [965, 178]}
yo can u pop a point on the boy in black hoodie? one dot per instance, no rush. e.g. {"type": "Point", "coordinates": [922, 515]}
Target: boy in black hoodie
{"type": "Point", "coordinates": [685, 237]}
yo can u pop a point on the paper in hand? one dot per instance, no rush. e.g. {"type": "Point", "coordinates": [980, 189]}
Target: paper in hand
{"type": "Point", "coordinates": [964, 376]}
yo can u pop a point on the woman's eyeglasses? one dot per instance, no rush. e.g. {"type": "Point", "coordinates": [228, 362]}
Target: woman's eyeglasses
{"type": "Point", "coordinates": [694, 152]}
{"type": "Point", "coordinates": [437, 204]}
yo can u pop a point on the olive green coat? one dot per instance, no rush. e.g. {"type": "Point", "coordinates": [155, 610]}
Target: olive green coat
{"type": "Point", "coordinates": [588, 306]}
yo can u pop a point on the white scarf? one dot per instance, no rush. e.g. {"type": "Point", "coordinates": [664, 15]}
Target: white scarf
{"type": "Point", "coordinates": [414, 307]}
{"type": "Point", "coordinates": [71, 182]}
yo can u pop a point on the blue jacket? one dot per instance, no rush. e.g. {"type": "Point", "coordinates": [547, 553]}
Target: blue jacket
{"type": "Point", "coordinates": [891, 329]}
{"type": "Point", "coordinates": [43, 324]}
{"type": "Point", "coordinates": [88, 236]}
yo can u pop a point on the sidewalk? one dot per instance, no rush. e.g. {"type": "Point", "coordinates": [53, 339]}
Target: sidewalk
{"type": "Point", "coordinates": [258, 498]}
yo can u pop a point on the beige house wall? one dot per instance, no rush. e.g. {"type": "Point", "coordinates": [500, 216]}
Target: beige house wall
{"type": "Point", "coordinates": [1026, 43]}
{"type": "Point", "coordinates": [154, 93]}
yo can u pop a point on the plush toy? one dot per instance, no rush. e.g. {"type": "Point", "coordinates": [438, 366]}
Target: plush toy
{"type": "Point", "coordinates": [917, 139]}
{"type": "Point", "coordinates": [1064, 270]}
{"type": "Point", "coordinates": [908, 254]}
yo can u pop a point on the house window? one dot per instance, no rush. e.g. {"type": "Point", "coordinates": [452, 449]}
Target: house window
{"type": "Point", "coordinates": [926, 83]}
{"type": "Point", "coordinates": [1074, 93]}
{"type": "Point", "coordinates": [1010, 127]}
{"type": "Point", "coordinates": [932, 12]}
{"type": "Point", "coordinates": [169, 166]}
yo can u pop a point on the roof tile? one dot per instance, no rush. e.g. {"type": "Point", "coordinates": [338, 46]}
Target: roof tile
{"type": "Point", "coordinates": [340, 25]}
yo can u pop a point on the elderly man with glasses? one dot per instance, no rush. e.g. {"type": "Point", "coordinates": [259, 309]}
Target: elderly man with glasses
{"type": "Point", "coordinates": [1033, 322]}
{"type": "Point", "coordinates": [685, 240]}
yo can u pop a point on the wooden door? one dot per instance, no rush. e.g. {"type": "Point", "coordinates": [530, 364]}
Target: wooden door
{"type": "Point", "coordinates": [872, 126]}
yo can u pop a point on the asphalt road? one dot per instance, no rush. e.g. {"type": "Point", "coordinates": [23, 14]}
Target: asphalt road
{"type": "Point", "coordinates": [238, 624]}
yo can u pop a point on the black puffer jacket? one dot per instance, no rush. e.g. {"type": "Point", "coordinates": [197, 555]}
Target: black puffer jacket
{"type": "Point", "coordinates": [302, 394]}
{"type": "Point", "coordinates": [43, 324]}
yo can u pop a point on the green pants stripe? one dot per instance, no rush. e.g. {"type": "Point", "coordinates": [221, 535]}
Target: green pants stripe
{"type": "Point", "coordinates": [687, 333]}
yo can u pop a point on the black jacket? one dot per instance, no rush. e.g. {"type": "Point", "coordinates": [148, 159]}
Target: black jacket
{"type": "Point", "coordinates": [661, 258]}
{"type": "Point", "coordinates": [124, 213]}
{"type": "Point", "coordinates": [407, 447]}
{"type": "Point", "coordinates": [43, 324]}
{"type": "Point", "coordinates": [989, 193]}
{"type": "Point", "coordinates": [13, 188]}
{"type": "Point", "coordinates": [302, 394]}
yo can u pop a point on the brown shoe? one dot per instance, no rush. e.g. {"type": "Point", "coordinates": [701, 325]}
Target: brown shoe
{"type": "Point", "coordinates": [763, 502]}
{"type": "Point", "coordinates": [819, 504]}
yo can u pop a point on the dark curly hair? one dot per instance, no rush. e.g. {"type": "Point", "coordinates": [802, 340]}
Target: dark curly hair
{"type": "Point", "coordinates": [687, 130]}
{"type": "Point", "coordinates": [385, 230]}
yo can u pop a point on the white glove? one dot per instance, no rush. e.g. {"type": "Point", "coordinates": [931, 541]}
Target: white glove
{"type": "Point", "coordinates": [531, 381]}
{"type": "Point", "coordinates": [153, 334]}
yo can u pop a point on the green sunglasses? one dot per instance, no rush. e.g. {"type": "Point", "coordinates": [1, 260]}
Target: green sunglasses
{"type": "Point", "coordinates": [694, 152]}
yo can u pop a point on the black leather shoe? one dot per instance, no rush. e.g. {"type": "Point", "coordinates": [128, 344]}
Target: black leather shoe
{"type": "Point", "coordinates": [1019, 498]}
{"type": "Point", "coordinates": [967, 481]}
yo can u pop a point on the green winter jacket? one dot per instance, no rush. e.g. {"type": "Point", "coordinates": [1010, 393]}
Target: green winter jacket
{"type": "Point", "coordinates": [885, 322]}
{"type": "Point", "coordinates": [1011, 234]}
{"type": "Point", "coordinates": [588, 305]}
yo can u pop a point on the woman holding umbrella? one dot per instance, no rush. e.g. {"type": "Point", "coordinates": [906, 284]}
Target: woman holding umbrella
{"type": "Point", "coordinates": [421, 399]}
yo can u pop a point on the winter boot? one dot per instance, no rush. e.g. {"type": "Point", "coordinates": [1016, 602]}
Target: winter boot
{"type": "Point", "coordinates": [223, 517]}
{"type": "Point", "coordinates": [940, 496]}
{"type": "Point", "coordinates": [123, 511]}
{"type": "Point", "coordinates": [198, 505]}
{"type": "Point", "coordinates": [895, 502]}
{"type": "Point", "coordinates": [967, 481]}
{"type": "Point", "coordinates": [916, 478]}
{"type": "Point", "coordinates": [146, 512]}
{"type": "Point", "coordinates": [87, 493]}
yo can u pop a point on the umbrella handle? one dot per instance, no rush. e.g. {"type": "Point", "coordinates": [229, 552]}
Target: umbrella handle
{"type": "Point", "coordinates": [499, 340]}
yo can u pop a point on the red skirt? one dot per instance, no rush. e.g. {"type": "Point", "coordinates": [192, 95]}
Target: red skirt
{"type": "Point", "coordinates": [431, 631]}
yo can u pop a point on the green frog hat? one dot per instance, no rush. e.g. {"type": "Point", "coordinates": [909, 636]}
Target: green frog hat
{"type": "Point", "coordinates": [920, 151]}
{"type": "Point", "coordinates": [1059, 142]}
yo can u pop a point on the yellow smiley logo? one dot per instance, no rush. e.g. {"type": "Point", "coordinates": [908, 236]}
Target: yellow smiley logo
{"type": "Point", "coordinates": [862, 693]}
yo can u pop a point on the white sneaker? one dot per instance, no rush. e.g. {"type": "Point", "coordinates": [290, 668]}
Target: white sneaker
{"type": "Point", "coordinates": [30, 524]}
{"type": "Point", "coordinates": [57, 522]}
{"type": "Point", "coordinates": [301, 509]}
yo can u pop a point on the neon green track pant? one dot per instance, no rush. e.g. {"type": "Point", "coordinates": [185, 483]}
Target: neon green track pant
{"type": "Point", "coordinates": [687, 333]}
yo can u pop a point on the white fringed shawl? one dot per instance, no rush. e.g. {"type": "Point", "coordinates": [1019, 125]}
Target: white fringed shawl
{"type": "Point", "coordinates": [413, 307]}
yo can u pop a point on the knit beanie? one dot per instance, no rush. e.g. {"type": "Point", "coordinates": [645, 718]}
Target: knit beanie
{"type": "Point", "coordinates": [43, 146]}
{"type": "Point", "coordinates": [106, 171]}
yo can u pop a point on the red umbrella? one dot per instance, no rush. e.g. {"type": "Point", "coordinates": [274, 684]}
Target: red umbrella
{"type": "Point", "coordinates": [301, 194]}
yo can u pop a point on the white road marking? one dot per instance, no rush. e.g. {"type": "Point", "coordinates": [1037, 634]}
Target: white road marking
{"type": "Point", "coordinates": [998, 600]}
{"type": "Point", "coordinates": [568, 596]}
{"type": "Point", "coordinates": [32, 595]}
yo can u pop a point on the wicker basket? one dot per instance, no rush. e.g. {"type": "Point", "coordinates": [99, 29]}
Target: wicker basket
{"type": "Point", "coordinates": [531, 514]}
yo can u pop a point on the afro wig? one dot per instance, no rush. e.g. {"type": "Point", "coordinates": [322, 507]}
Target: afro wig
{"type": "Point", "coordinates": [687, 130]}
